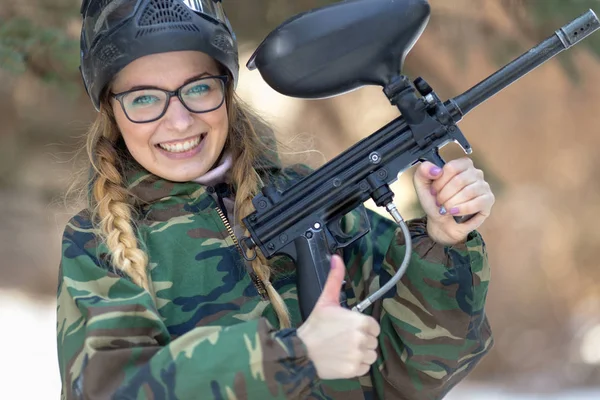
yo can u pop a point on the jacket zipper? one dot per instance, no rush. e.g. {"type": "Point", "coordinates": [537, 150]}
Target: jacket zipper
{"type": "Point", "coordinates": [258, 284]}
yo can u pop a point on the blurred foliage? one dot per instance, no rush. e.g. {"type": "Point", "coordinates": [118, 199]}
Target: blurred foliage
{"type": "Point", "coordinates": [48, 51]}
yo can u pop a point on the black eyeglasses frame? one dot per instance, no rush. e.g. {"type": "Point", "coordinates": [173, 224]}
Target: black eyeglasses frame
{"type": "Point", "coordinates": [172, 93]}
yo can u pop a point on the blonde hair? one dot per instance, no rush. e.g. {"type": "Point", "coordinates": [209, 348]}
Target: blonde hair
{"type": "Point", "coordinates": [112, 204]}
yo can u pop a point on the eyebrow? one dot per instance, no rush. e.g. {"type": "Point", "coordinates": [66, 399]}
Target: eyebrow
{"type": "Point", "coordinates": [192, 79]}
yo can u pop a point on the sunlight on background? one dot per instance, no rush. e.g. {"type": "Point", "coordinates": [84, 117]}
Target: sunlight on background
{"type": "Point", "coordinates": [590, 346]}
{"type": "Point", "coordinates": [29, 342]}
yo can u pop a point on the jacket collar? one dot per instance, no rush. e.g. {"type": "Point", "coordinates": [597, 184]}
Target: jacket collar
{"type": "Point", "coordinates": [148, 188]}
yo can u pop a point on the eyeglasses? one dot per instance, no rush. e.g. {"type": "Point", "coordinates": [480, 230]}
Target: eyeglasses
{"type": "Point", "coordinates": [150, 104]}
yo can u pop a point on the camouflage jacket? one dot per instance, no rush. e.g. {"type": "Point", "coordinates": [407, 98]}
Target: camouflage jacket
{"type": "Point", "coordinates": [203, 332]}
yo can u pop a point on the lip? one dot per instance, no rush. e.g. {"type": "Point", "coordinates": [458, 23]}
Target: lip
{"type": "Point", "coordinates": [185, 154]}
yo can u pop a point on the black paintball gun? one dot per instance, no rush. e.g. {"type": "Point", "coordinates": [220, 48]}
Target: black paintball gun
{"type": "Point", "coordinates": [338, 48]}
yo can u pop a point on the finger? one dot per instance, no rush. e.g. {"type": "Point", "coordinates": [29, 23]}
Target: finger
{"type": "Point", "coordinates": [467, 193]}
{"type": "Point", "coordinates": [479, 205]}
{"type": "Point", "coordinates": [363, 369]}
{"type": "Point", "coordinates": [370, 343]}
{"type": "Point", "coordinates": [425, 174]}
{"type": "Point", "coordinates": [370, 326]}
{"type": "Point", "coordinates": [451, 169]}
{"type": "Point", "coordinates": [369, 357]}
{"type": "Point", "coordinates": [333, 285]}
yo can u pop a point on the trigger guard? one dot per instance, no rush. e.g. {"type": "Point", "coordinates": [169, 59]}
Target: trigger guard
{"type": "Point", "coordinates": [342, 239]}
{"type": "Point", "coordinates": [434, 157]}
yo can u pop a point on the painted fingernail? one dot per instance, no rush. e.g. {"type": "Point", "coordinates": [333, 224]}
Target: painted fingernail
{"type": "Point", "coordinates": [443, 210]}
{"type": "Point", "coordinates": [454, 210]}
{"type": "Point", "coordinates": [435, 171]}
{"type": "Point", "coordinates": [432, 191]}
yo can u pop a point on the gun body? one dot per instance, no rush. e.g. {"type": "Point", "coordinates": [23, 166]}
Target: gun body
{"type": "Point", "coordinates": [304, 220]}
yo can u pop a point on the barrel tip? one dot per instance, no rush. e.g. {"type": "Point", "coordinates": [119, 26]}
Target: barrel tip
{"type": "Point", "coordinates": [593, 13]}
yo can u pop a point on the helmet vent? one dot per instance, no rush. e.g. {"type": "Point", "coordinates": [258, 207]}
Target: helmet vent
{"type": "Point", "coordinates": [162, 15]}
{"type": "Point", "coordinates": [223, 42]}
{"type": "Point", "coordinates": [108, 54]}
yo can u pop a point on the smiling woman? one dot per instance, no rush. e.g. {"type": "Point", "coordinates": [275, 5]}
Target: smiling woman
{"type": "Point", "coordinates": [155, 299]}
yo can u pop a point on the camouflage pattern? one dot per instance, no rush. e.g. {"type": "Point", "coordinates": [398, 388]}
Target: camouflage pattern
{"type": "Point", "coordinates": [203, 332]}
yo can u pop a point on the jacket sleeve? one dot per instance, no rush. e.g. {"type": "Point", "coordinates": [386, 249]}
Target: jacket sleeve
{"type": "Point", "coordinates": [433, 325]}
{"type": "Point", "coordinates": [113, 344]}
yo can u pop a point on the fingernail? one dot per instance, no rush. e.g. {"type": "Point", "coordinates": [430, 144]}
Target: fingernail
{"type": "Point", "coordinates": [432, 191]}
{"type": "Point", "coordinates": [443, 210]}
{"type": "Point", "coordinates": [435, 171]}
{"type": "Point", "coordinates": [454, 210]}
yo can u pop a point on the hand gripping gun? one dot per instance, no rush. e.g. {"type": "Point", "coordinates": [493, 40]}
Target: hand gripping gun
{"type": "Point", "coordinates": [338, 48]}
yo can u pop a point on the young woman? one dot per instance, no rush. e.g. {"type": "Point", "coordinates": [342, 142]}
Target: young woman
{"type": "Point", "coordinates": [154, 298]}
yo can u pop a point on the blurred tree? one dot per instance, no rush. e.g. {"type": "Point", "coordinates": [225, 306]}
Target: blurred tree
{"type": "Point", "coordinates": [48, 52]}
{"type": "Point", "coordinates": [35, 36]}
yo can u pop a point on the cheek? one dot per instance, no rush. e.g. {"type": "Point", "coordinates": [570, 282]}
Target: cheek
{"type": "Point", "coordinates": [136, 136]}
{"type": "Point", "coordinates": [219, 122]}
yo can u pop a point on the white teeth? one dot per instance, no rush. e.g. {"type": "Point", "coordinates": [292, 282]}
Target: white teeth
{"type": "Point", "coordinates": [181, 146]}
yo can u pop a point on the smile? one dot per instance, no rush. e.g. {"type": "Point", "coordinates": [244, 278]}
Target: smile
{"type": "Point", "coordinates": [183, 145]}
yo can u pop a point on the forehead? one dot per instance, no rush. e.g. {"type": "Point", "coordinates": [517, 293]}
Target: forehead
{"type": "Point", "coordinates": [164, 70]}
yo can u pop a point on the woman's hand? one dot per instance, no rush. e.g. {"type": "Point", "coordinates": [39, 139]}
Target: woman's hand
{"type": "Point", "coordinates": [457, 189]}
{"type": "Point", "coordinates": [341, 343]}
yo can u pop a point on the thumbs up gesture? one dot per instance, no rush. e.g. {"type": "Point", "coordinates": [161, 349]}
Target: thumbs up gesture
{"type": "Point", "coordinates": [341, 343]}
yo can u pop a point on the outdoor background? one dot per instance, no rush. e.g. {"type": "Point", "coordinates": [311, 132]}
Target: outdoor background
{"type": "Point", "coordinates": [538, 142]}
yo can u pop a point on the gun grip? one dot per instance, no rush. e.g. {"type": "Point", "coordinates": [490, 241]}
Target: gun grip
{"type": "Point", "coordinates": [435, 158]}
{"type": "Point", "coordinates": [312, 268]}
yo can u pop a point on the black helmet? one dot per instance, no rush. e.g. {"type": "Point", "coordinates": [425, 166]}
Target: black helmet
{"type": "Point", "coordinates": [117, 32]}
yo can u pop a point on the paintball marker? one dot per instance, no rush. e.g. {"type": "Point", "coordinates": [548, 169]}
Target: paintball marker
{"type": "Point", "coordinates": [338, 48]}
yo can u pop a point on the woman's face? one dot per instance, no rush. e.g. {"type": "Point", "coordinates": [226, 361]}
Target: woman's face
{"type": "Point", "coordinates": [181, 145]}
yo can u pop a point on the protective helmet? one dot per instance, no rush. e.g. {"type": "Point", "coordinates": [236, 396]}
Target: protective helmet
{"type": "Point", "coordinates": [116, 32]}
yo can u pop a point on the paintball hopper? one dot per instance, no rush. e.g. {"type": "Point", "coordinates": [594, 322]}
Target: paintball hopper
{"type": "Point", "coordinates": [338, 48]}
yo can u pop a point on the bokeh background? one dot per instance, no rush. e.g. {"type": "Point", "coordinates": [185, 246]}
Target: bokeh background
{"type": "Point", "coordinates": [538, 142]}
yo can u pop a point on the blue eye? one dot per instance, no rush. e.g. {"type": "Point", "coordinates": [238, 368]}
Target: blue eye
{"type": "Point", "coordinates": [198, 90]}
{"type": "Point", "coordinates": [144, 100]}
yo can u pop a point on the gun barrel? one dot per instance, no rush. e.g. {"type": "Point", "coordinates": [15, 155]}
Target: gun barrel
{"type": "Point", "coordinates": [565, 37]}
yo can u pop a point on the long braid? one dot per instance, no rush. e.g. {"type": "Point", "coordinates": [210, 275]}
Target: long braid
{"type": "Point", "coordinates": [246, 144]}
{"type": "Point", "coordinates": [112, 210]}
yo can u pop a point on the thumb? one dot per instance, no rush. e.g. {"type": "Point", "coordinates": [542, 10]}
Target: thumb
{"type": "Point", "coordinates": [425, 174]}
{"type": "Point", "coordinates": [333, 286]}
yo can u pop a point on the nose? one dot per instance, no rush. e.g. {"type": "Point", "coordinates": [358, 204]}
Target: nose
{"type": "Point", "coordinates": [177, 117]}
